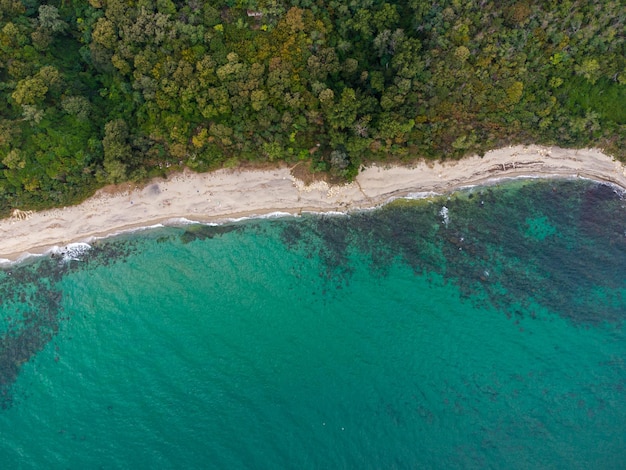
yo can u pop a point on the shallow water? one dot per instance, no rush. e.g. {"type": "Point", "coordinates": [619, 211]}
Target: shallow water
{"type": "Point", "coordinates": [486, 335]}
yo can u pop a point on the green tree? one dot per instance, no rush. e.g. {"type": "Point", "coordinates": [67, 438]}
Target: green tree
{"type": "Point", "coordinates": [589, 68]}
{"type": "Point", "coordinates": [30, 91]}
{"type": "Point", "coordinates": [117, 150]}
{"type": "Point", "coordinates": [49, 19]}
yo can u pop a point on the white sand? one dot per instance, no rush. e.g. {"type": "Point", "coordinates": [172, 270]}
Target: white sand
{"type": "Point", "coordinates": [226, 194]}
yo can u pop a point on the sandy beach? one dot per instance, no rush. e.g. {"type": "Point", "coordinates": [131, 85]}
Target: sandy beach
{"type": "Point", "coordinates": [229, 194]}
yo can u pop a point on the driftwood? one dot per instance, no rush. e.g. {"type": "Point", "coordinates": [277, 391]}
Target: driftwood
{"type": "Point", "coordinates": [21, 215]}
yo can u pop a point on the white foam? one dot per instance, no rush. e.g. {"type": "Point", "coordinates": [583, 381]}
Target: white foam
{"type": "Point", "coordinates": [444, 213]}
{"type": "Point", "coordinates": [421, 195]}
{"type": "Point", "coordinates": [123, 232]}
{"type": "Point", "coordinates": [271, 215]}
{"type": "Point", "coordinates": [327, 213]}
{"type": "Point", "coordinates": [617, 189]}
{"type": "Point", "coordinates": [22, 259]}
{"type": "Point", "coordinates": [275, 215]}
{"type": "Point", "coordinates": [73, 251]}
{"type": "Point", "coordinates": [180, 221]}
{"type": "Point", "coordinates": [142, 228]}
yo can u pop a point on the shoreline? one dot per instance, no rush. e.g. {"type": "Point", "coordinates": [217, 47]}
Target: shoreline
{"type": "Point", "coordinates": [225, 195]}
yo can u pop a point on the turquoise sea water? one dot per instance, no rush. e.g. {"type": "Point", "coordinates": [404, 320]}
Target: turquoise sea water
{"type": "Point", "coordinates": [479, 330]}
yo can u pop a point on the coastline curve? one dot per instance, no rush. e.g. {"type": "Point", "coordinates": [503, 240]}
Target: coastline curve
{"type": "Point", "coordinates": [227, 195]}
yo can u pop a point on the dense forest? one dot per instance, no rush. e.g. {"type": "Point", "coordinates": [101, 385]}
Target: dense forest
{"type": "Point", "coordinates": [106, 91]}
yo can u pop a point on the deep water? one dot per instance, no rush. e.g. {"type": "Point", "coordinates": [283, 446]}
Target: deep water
{"type": "Point", "coordinates": [484, 329]}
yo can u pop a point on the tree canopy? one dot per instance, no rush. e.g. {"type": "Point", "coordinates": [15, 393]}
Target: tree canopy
{"type": "Point", "coordinates": [102, 91]}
